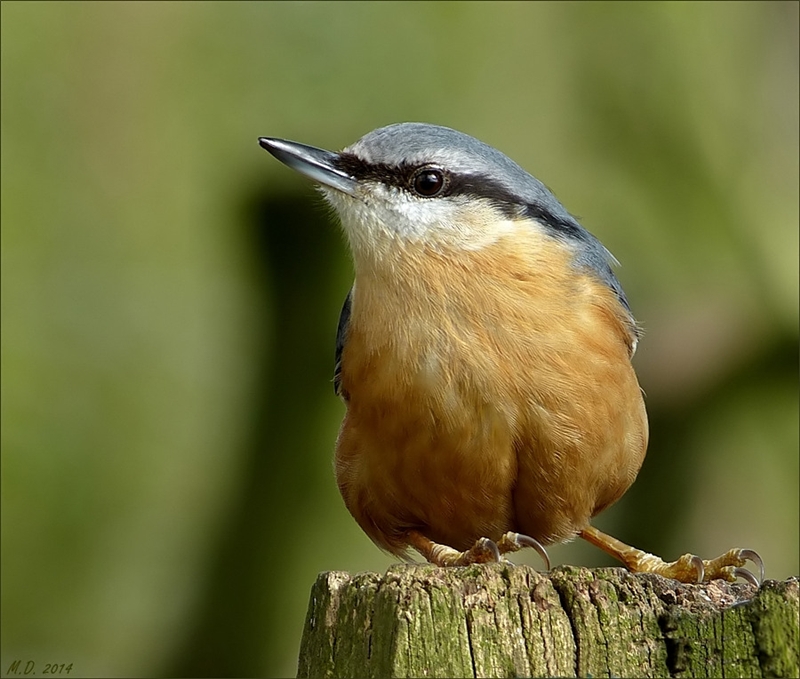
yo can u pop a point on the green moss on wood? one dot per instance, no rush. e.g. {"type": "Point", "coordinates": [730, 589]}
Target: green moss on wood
{"type": "Point", "coordinates": [506, 621]}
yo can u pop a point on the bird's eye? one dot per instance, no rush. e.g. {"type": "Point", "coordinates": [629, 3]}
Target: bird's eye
{"type": "Point", "coordinates": [428, 182]}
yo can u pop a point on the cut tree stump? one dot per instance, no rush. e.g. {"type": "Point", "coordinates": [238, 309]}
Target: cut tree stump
{"type": "Point", "coordinates": [501, 620]}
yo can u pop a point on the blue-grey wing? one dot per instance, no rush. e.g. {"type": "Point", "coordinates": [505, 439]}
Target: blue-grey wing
{"type": "Point", "coordinates": [341, 338]}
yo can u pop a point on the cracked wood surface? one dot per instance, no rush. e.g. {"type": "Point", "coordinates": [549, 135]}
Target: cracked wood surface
{"type": "Point", "coordinates": [511, 621]}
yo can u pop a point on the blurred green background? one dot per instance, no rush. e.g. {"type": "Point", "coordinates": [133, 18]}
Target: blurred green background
{"type": "Point", "coordinates": [170, 292]}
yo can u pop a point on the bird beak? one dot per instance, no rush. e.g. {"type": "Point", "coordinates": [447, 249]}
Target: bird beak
{"type": "Point", "coordinates": [316, 164]}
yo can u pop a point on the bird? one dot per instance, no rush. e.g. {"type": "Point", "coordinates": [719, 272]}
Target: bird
{"type": "Point", "coordinates": [483, 354]}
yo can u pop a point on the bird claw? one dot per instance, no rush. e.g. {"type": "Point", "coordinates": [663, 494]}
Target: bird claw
{"type": "Point", "coordinates": [487, 546]}
{"type": "Point", "coordinates": [729, 567]}
{"type": "Point", "coordinates": [699, 568]}
{"type": "Point", "coordinates": [690, 568]}
{"type": "Point", "coordinates": [513, 542]}
{"type": "Point", "coordinates": [527, 541]}
{"type": "Point", "coordinates": [750, 555]}
{"type": "Point", "coordinates": [488, 551]}
{"type": "Point", "coordinates": [746, 575]}
{"type": "Point", "coordinates": [485, 550]}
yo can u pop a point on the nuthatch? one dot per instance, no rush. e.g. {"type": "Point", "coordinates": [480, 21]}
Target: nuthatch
{"type": "Point", "coordinates": [484, 355]}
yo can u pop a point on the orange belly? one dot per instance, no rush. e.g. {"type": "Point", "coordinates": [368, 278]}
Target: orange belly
{"type": "Point", "coordinates": [489, 391]}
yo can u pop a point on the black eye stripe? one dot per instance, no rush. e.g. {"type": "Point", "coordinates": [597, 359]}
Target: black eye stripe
{"type": "Point", "coordinates": [399, 176]}
{"type": "Point", "coordinates": [457, 184]}
{"type": "Point", "coordinates": [402, 176]}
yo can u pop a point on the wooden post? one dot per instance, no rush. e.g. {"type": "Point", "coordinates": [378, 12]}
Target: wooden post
{"type": "Point", "coordinates": [511, 621]}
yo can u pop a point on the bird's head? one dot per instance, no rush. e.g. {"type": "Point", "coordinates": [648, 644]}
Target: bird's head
{"type": "Point", "coordinates": [422, 184]}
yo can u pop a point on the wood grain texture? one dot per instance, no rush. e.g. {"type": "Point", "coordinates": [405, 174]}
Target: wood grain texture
{"type": "Point", "coordinates": [503, 621]}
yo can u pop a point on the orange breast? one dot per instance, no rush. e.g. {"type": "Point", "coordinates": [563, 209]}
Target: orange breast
{"type": "Point", "coordinates": [490, 390]}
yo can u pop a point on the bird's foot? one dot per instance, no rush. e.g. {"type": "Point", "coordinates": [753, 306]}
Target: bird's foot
{"type": "Point", "coordinates": [731, 565]}
{"type": "Point", "coordinates": [483, 551]}
{"type": "Point", "coordinates": [691, 569]}
{"type": "Point", "coordinates": [688, 568]}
